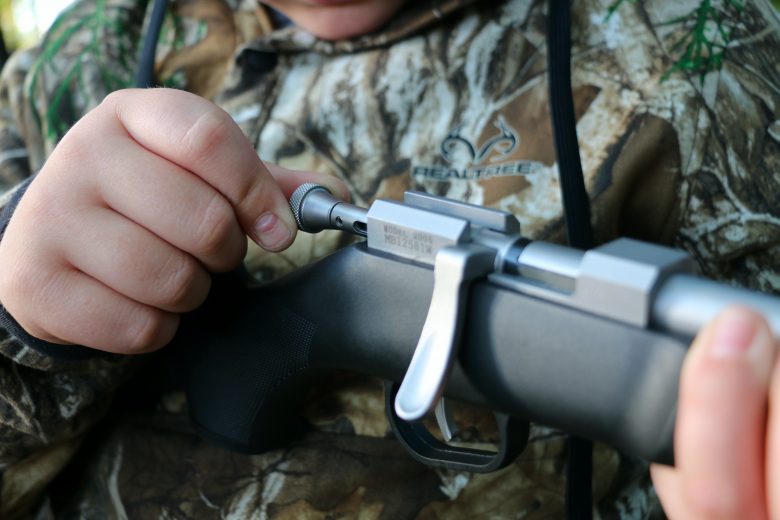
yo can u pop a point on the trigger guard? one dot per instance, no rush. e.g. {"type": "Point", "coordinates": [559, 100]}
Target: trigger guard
{"type": "Point", "coordinates": [429, 450]}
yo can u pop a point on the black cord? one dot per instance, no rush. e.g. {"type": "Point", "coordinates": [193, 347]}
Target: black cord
{"type": "Point", "coordinates": [145, 72]}
{"type": "Point", "coordinates": [576, 202]}
{"type": "Point", "coordinates": [576, 211]}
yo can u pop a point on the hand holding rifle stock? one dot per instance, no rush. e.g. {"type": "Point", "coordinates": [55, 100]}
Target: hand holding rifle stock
{"type": "Point", "coordinates": [727, 463]}
{"type": "Point", "coordinates": [592, 343]}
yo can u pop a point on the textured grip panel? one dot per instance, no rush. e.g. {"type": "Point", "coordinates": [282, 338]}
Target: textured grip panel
{"type": "Point", "coordinates": [239, 378]}
{"type": "Point", "coordinates": [285, 351]}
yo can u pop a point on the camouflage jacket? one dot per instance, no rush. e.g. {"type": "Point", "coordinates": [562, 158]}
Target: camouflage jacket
{"type": "Point", "coordinates": [678, 107]}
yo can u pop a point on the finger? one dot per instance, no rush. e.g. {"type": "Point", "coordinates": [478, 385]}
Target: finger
{"type": "Point", "coordinates": [172, 203]}
{"type": "Point", "coordinates": [668, 485]}
{"type": "Point", "coordinates": [116, 323]}
{"type": "Point", "coordinates": [162, 277]}
{"type": "Point", "coordinates": [288, 180]}
{"type": "Point", "coordinates": [773, 445]}
{"type": "Point", "coordinates": [720, 433]}
{"type": "Point", "coordinates": [203, 139]}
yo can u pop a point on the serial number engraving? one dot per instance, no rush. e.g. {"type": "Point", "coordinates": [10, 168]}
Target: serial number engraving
{"type": "Point", "coordinates": [414, 241]}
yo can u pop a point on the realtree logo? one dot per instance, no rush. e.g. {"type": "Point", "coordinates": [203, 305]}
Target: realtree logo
{"type": "Point", "coordinates": [458, 150]}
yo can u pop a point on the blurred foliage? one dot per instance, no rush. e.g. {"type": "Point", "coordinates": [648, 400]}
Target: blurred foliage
{"type": "Point", "coordinates": [11, 34]}
{"type": "Point", "coordinates": [23, 21]}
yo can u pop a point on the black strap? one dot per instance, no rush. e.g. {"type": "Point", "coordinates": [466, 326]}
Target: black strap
{"type": "Point", "coordinates": [576, 203]}
{"type": "Point", "coordinates": [145, 75]}
{"type": "Point", "coordinates": [576, 211]}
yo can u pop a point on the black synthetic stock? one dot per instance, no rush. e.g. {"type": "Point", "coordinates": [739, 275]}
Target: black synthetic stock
{"type": "Point", "coordinates": [364, 312]}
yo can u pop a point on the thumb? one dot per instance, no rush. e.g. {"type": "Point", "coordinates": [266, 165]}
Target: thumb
{"type": "Point", "coordinates": [721, 421]}
{"type": "Point", "coordinates": [265, 206]}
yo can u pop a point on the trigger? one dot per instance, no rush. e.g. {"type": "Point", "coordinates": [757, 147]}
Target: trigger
{"type": "Point", "coordinates": [424, 447]}
{"type": "Point", "coordinates": [443, 414]}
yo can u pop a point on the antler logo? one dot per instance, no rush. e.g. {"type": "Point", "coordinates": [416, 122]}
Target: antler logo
{"type": "Point", "coordinates": [504, 142]}
{"type": "Point", "coordinates": [466, 159]}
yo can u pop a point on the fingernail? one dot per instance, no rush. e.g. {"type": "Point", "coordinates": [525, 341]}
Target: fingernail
{"type": "Point", "coordinates": [271, 232]}
{"type": "Point", "coordinates": [738, 333]}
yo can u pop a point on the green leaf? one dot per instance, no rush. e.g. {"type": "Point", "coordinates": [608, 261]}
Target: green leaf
{"type": "Point", "coordinates": [701, 50]}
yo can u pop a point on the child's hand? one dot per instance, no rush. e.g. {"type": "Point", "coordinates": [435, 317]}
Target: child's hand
{"type": "Point", "coordinates": [144, 195]}
{"type": "Point", "coordinates": [727, 436]}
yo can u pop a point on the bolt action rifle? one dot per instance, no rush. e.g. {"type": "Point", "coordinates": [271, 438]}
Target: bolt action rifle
{"type": "Point", "coordinates": [447, 300]}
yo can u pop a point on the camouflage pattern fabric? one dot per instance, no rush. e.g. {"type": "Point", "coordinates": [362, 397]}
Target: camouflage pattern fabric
{"type": "Point", "coordinates": [678, 147]}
